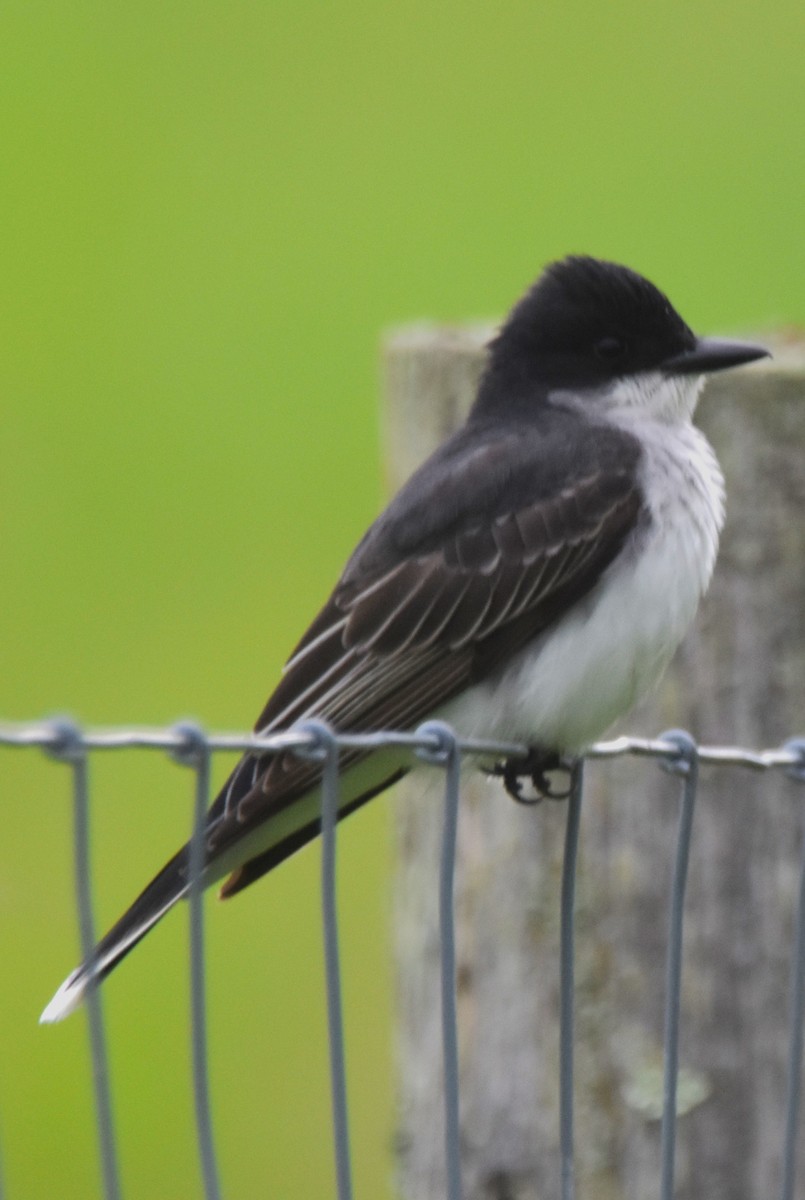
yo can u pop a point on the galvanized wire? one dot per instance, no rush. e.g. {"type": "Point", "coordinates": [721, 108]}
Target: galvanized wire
{"type": "Point", "coordinates": [46, 734]}
{"type": "Point", "coordinates": [686, 765]}
{"type": "Point", "coordinates": [447, 756]}
{"type": "Point", "coordinates": [795, 1049]}
{"type": "Point", "coordinates": [68, 747]}
{"type": "Point", "coordinates": [196, 754]}
{"type": "Point", "coordinates": [567, 981]}
{"type": "Point", "coordinates": [325, 750]}
{"type": "Point", "coordinates": [438, 744]}
{"type": "Point", "coordinates": [797, 1015]}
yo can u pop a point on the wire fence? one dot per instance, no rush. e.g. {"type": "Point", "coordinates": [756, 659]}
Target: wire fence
{"type": "Point", "coordinates": [437, 745]}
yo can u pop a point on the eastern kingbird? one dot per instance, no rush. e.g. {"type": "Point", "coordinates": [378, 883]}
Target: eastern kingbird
{"type": "Point", "coordinates": [529, 582]}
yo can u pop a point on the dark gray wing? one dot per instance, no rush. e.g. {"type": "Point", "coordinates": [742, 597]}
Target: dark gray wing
{"type": "Point", "coordinates": [496, 536]}
{"type": "Point", "coordinates": [472, 560]}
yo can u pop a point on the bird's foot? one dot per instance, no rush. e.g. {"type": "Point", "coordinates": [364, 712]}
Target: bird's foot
{"type": "Point", "coordinates": [537, 767]}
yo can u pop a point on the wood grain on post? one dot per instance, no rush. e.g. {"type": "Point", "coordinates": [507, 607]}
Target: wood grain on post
{"type": "Point", "coordinates": [739, 678]}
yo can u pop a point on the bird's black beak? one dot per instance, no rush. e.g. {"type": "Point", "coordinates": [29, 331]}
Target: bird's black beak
{"type": "Point", "coordinates": [713, 354]}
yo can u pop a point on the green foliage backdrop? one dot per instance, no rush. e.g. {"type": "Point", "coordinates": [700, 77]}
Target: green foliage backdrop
{"type": "Point", "coordinates": [209, 213]}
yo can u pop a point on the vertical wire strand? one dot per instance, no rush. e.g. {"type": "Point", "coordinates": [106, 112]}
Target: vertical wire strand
{"type": "Point", "coordinates": [797, 1004]}
{"type": "Point", "coordinates": [452, 769]}
{"type": "Point", "coordinates": [567, 981]}
{"type": "Point", "coordinates": [444, 752]}
{"type": "Point", "coordinates": [335, 1019]}
{"type": "Point", "coordinates": [688, 765]}
{"type": "Point", "coordinates": [199, 758]}
{"type": "Point", "coordinates": [83, 885]}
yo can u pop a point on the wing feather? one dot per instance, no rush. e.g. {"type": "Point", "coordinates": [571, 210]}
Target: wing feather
{"type": "Point", "coordinates": [412, 623]}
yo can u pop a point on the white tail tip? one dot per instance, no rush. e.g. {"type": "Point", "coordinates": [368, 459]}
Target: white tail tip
{"type": "Point", "coordinates": [67, 999]}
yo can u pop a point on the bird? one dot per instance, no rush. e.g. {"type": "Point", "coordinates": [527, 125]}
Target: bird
{"type": "Point", "coordinates": [529, 582]}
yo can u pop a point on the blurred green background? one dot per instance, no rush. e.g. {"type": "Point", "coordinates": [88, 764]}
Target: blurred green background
{"type": "Point", "coordinates": [209, 214]}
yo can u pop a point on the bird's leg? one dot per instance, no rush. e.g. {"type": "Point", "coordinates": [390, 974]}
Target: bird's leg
{"type": "Point", "coordinates": [536, 766]}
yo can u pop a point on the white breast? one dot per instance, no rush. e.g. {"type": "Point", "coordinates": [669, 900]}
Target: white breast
{"type": "Point", "coordinates": [568, 687]}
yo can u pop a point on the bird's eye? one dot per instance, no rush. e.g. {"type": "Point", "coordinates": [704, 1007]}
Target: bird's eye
{"type": "Point", "coordinates": [609, 349]}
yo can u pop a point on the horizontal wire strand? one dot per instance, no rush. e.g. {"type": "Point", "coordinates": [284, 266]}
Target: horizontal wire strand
{"type": "Point", "coordinates": [45, 735]}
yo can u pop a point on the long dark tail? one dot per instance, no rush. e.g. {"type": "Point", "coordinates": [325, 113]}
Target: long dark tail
{"type": "Point", "coordinates": [150, 906]}
{"type": "Point", "coordinates": [171, 884]}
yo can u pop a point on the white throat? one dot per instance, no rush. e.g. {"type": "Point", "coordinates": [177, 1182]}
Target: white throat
{"type": "Point", "coordinates": [650, 395]}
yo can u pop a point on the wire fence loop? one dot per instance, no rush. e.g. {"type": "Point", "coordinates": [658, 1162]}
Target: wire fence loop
{"type": "Point", "coordinates": [796, 747]}
{"type": "Point", "coordinates": [65, 740]}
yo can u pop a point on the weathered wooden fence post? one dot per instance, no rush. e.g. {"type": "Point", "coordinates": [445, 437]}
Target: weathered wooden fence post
{"type": "Point", "coordinates": [739, 678]}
